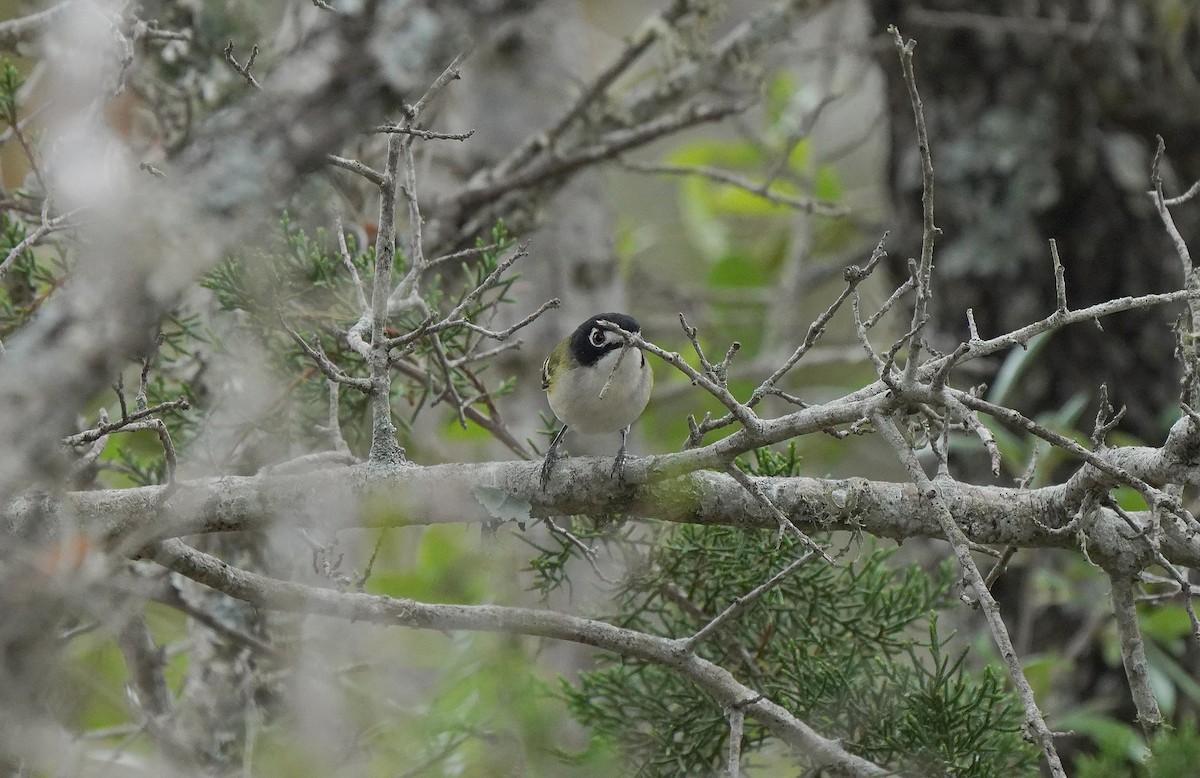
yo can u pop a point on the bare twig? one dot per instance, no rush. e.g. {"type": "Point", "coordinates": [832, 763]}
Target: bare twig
{"type": "Point", "coordinates": [348, 262]}
{"type": "Point", "coordinates": [100, 430]}
{"type": "Point", "coordinates": [243, 70]}
{"type": "Point", "coordinates": [743, 414]}
{"type": "Point", "coordinates": [786, 526]}
{"type": "Point", "coordinates": [1060, 282]}
{"type": "Point", "coordinates": [608, 146]}
{"type": "Point", "coordinates": [1133, 655]}
{"type": "Point", "coordinates": [929, 230]}
{"type": "Point", "coordinates": [741, 604]}
{"type": "Point", "coordinates": [737, 721]}
{"type": "Point", "coordinates": [354, 166]}
{"type": "Point", "coordinates": [988, 604]}
{"type": "Point", "coordinates": [326, 365]}
{"type": "Point", "coordinates": [424, 134]}
{"type": "Point", "coordinates": [763, 190]}
{"type": "Point", "coordinates": [853, 276]}
{"type": "Point", "coordinates": [721, 685]}
{"type": "Point", "coordinates": [648, 32]}
{"type": "Point", "coordinates": [47, 226]}
{"type": "Point", "coordinates": [1192, 191]}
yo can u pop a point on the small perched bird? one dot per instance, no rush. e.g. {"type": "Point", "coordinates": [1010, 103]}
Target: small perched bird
{"type": "Point", "coordinates": [596, 383]}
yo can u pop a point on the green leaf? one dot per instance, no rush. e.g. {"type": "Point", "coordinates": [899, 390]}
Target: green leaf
{"type": "Point", "coordinates": [828, 184]}
{"type": "Point", "coordinates": [736, 271]}
{"type": "Point", "coordinates": [704, 153]}
{"type": "Point", "coordinates": [1112, 737]}
{"type": "Point", "coordinates": [1014, 366]}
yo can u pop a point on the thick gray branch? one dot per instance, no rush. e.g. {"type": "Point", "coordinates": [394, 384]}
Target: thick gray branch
{"type": "Point", "coordinates": [450, 494]}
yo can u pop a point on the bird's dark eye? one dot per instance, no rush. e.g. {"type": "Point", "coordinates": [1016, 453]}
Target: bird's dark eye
{"type": "Point", "coordinates": [597, 337]}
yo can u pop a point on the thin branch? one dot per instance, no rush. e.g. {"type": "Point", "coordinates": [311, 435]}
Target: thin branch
{"type": "Point", "coordinates": [988, 604]}
{"type": "Point", "coordinates": [243, 70]}
{"type": "Point", "coordinates": [648, 32]}
{"type": "Point", "coordinates": [1060, 280]}
{"type": "Point", "coordinates": [521, 251]}
{"type": "Point", "coordinates": [763, 189]}
{"type": "Point", "coordinates": [929, 230]}
{"type": "Point", "coordinates": [1133, 655]}
{"type": "Point", "coordinates": [47, 226]}
{"type": "Point", "coordinates": [608, 146]}
{"type": "Point", "coordinates": [354, 166]}
{"type": "Point", "coordinates": [717, 682]}
{"type": "Point", "coordinates": [853, 276]}
{"type": "Point", "coordinates": [744, 415]}
{"type": "Point", "coordinates": [326, 365]}
{"type": "Point", "coordinates": [423, 134]}
{"type": "Point", "coordinates": [451, 72]}
{"type": "Point", "coordinates": [785, 524]}
{"type": "Point", "coordinates": [100, 430]}
{"type": "Point", "coordinates": [359, 294]}
{"type": "Point", "coordinates": [1192, 191]}
{"type": "Point", "coordinates": [737, 721]}
{"type": "Point", "coordinates": [741, 604]}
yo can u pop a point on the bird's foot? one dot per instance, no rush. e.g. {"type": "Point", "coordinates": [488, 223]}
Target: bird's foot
{"type": "Point", "coordinates": [548, 468]}
{"type": "Point", "coordinates": [551, 455]}
{"type": "Point", "coordinates": [618, 468]}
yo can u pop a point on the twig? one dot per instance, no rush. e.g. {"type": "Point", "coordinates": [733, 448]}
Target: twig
{"type": "Point", "coordinates": [991, 610]}
{"type": "Point", "coordinates": [1192, 191]}
{"type": "Point", "coordinates": [243, 70]}
{"type": "Point", "coordinates": [424, 134]}
{"type": "Point", "coordinates": [744, 415]}
{"type": "Point", "coordinates": [325, 364]}
{"type": "Point", "coordinates": [718, 372]}
{"type": "Point", "coordinates": [613, 373]}
{"type": "Point", "coordinates": [785, 524]}
{"type": "Point", "coordinates": [763, 190]}
{"type": "Point", "coordinates": [100, 430]}
{"type": "Point", "coordinates": [608, 146]}
{"type": "Point", "coordinates": [1189, 352]}
{"type": "Point", "coordinates": [1060, 281]}
{"type": "Point", "coordinates": [354, 166]}
{"type": "Point", "coordinates": [853, 276]}
{"type": "Point", "coordinates": [504, 334]}
{"type": "Point", "coordinates": [737, 720]}
{"type": "Point", "coordinates": [359, 294]}
{"type": "Point", "coordinates": [714, 680]}
{"type": "Point", "coordinates": [45, 228]}
{"type": "Point", "coordinates": [1133, 655]}
{"type": "Point", "coordinates": [929, 230]}
{"type": "Point", "coordinates": [741, 604]}
{"type": "Point", "coordinates": [647, 34]}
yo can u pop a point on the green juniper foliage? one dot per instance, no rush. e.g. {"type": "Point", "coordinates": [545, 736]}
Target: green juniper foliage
{"type": "Point", "coordinates": [300, 283]}
{"type": "Point", "coordinates": [852, 649]}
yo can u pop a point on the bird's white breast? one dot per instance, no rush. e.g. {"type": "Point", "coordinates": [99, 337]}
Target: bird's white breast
{"type": "Point", "coordinates": [576, 399]}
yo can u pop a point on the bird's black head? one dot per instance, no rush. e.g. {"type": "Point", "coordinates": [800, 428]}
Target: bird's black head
{"type": "Point", "coordinates": [590, 341]}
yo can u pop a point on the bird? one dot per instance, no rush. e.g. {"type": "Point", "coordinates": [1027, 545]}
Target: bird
{"type": "Point", "coordinates": [597, 383]}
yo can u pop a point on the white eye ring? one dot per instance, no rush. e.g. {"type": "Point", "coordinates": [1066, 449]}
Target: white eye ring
{"type": "Point", "coordinates": [597, 337]}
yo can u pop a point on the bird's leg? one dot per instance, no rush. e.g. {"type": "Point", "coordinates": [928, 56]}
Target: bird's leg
{"type": "Point", "coordinates": [618, 470]}
{"type": "Point", "coordinates": [551, 455]}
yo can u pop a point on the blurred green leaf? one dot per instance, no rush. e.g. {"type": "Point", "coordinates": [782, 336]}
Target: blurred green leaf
{"type": "Point", "coordinates": [1112, 737]}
